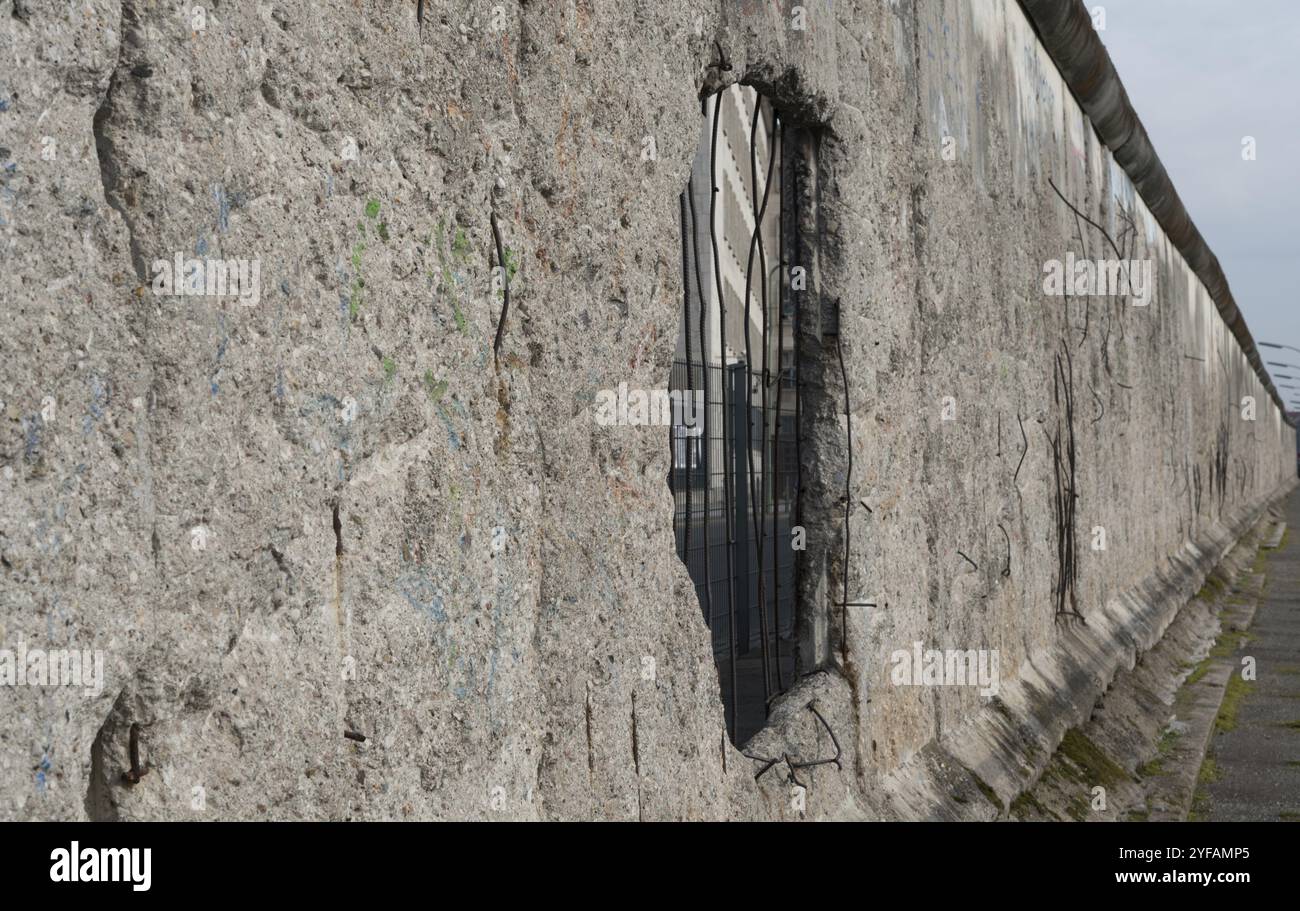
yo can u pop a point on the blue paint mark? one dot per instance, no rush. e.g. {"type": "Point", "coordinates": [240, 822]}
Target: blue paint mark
{"type": "Point", "coordinates": [32, 426]}
{"type": "Point", "coordinates": [44, 767]}
{"type": "Point", "coordinates": [453, 438]}
{"type": "Point", "coordinates": [4, 105]}
{"type": "Point", "coordinates": [327, 403]}
{"type": "Point", "coordinates": [467, 666]}
{"type": "Point", "coordinates": [420, 592]}
{"type": "Point", "coordinates": [223, 207]}
{"type": "Point", "coordinates": [98, 397]}
{"type": "Point", "coordinates": [201, 247]}
{"type": "Point", "coordinates": [98, 400]}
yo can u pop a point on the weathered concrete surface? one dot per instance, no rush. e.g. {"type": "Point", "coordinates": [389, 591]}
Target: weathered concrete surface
{"type": "Point", "coordinates": [477, 667]}
{"type": "Point", "coordinates": [402, 540]}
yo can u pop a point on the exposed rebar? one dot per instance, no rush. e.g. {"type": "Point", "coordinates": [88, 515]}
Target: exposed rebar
{"type": "Point", "coordinates": [505, 288]}
{"type": "Point", "coordinates": [708, 401]}
{"type": "Point", "coordinates": [726, 487]}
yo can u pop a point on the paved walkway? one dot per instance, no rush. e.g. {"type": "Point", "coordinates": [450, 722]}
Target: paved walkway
{"type": "Point", "coordinates": [1257, 762]}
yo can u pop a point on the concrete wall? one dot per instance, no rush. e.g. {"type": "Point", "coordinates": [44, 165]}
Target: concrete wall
{"type": "Point", "coordinates": [402, 539]}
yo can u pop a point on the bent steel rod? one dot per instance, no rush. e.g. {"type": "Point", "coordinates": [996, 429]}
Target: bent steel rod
{"type": "Point", "coordinates": [704, 376]}
{"type": "Point", "coordinates": [756, 243]}
{"type": "Point", "coordinates": [776, 432]}
{"type": "Point", "coordinates": [673, 430]}
{"type": "Point", "coordinates": [722, 354]}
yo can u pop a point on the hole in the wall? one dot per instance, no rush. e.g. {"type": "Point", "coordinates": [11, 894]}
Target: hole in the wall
{"type": "Point", "coordinates": [735, 441]}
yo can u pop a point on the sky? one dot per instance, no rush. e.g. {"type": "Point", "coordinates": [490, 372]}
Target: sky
{"type": "Point", "coordinates": [1202, 75]}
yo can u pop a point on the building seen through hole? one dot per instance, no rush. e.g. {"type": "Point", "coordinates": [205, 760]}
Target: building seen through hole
{"type": "Point", "coordinates": [735, 447]}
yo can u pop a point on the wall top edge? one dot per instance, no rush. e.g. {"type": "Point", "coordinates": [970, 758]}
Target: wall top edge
{"type": "Point", "coordinates": [1064, 28]}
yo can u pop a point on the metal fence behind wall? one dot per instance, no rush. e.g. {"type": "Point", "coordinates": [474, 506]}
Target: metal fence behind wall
{"type": "Point", "coordinates": [735, 457]}
{"type": "Point", "coordinates": [714, 468]}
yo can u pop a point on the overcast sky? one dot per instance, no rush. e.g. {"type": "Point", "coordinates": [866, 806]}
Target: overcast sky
{"type": "Point", "coordinates": [1203, 74]}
